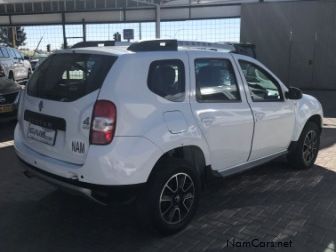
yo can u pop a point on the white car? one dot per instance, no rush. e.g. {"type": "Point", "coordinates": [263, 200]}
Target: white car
{"type": "Point", "coordinates": [13, 65]}
{"type": "Point", "coordinates": [152, 122]}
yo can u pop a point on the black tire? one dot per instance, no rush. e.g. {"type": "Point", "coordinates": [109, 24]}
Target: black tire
{"type": "Point", "coordinates": [305, 152]}
{"type": "Point", "coordinates": [162, 209]}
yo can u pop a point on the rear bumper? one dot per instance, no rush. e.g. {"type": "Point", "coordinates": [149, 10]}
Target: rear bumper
{"type": "Point", "coordinates": [98, 193]}
{"type": "Point", "coordinates": [126, 161]}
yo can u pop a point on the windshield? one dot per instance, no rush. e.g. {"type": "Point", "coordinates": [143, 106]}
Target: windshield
{"type": "Point", "coordinates": [70, 76]}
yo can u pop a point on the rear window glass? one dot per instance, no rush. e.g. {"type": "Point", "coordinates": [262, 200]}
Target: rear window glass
{"type": "Point", "coordinates": [68, 77]}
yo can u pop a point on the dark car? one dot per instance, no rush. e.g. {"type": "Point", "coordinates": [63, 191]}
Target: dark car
{"type": "Point", "coordinates": [9, 97]}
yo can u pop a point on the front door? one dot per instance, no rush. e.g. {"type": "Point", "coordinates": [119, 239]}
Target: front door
{"type": "Point", "coordinates": [273, 113]}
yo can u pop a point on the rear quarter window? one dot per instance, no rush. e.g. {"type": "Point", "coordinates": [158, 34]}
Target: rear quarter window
{"type": "Point", "coordinates": [166, 78]}
{"type": "Point", "coordinates": [69, 76]}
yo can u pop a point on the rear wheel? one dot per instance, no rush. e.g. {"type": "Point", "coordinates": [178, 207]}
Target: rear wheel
{"type": "Point", "coordinates": [305, 152]}
{"type": "Point", "coordinates": [171, 198]}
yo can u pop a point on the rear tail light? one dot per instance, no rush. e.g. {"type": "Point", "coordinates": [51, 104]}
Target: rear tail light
{"type": "Point", "coordinates": [103, 122]}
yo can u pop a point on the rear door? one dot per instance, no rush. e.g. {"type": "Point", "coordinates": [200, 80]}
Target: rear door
{"type": "Point", "coordinates": [220, 108]}
{"type": "Point", "coordinates": [59, 102]}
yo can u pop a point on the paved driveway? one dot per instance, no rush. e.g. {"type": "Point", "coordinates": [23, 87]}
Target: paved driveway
{"type": "Point", "coordinates": [271, 203]}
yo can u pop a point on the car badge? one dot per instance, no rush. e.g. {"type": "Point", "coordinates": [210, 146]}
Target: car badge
{"type": "Point", "coordinates": [40, 106]}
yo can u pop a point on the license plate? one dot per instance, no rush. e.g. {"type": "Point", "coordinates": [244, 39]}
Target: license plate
{"type": "Point", "coordinates": [43, 135]}
{"type": "Point", "coordinates": [6, 108]}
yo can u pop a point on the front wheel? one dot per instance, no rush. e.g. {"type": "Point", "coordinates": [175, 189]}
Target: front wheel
{"type": "Point", "coordinates": [303, 156]}
{"type": "Point", "coordinates": [171, 198]}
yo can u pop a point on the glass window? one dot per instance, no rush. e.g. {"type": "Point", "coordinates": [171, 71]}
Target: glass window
{"type": "Point", "coordinates": [215, 81]}
{"type": "Point", "coordinates": [11, 53]}
{"type": "Point", "coordinates": [17, 54]}
{"type": "Point", "coordinates": [166, 78]}
{"type": "Point", "coordinates": [5, 52]}
{"type": "Point", "coordinates": [263, 87]}
{"type": "Point", "coordinates": [68, 77]}
{"type": "Point", "coordinates": [2, 52]}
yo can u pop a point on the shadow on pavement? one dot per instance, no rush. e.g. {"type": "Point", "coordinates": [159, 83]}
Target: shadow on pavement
{"type": "Point", "coordinates": [271, 202]}
{"type": "Point", "coordinates": [7, 131]}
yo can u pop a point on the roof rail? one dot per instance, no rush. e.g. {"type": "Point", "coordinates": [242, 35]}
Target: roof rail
{"type": "Point", "coordinates": [94, 43]}
{"type": "Point", "coordinates": [154, 45]}
{"type": "Point", "coordinates": [173, 44]}
{"type": "Point", "coordinates": [206, 45]}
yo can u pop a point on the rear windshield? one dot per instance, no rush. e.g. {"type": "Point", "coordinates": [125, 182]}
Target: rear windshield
{"type": "Point", "coordinates": [70, 76]}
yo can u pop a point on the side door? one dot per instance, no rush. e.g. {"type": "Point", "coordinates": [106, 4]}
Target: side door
{"type": "Point", "coordinates": [273, 113]}
{"type": "Point", "coordinates": [220, 108]}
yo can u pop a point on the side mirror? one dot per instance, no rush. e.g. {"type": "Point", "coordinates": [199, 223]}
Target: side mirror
{"type": "Point", "coordinates": [294, 93]}
{"type": "Point", "coordinates": [26, 57]}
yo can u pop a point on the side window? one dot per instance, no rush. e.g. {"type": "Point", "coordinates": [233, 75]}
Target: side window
{"type": "Point", "coordinates": [2, 54]}
{"type": "Point", "coordinates": [263, 87]}
{"type": "Point", "coordinates": [17, 54]}
{"type": "Point", "coordinates": [166, 78]}
{"type": "Point", "coordinates": [215, 81]}
{"type": "Point", "coordinates": [11, 53]}
{"type": "Point", "coordinates": [5, 52]}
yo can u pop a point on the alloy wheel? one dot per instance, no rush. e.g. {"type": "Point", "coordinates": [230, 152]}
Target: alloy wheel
{"type": "Point", "coordinates": [310, 146]}
{"type": "Point", "coordinates": [177, 198]}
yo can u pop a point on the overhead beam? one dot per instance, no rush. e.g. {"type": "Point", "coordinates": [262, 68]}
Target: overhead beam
{"type": "Point", "coordinates": [126, 15]}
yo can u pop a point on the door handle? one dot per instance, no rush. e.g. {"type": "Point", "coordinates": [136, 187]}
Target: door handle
{"type": "Point", "coordinates": [207, 121]}
{"type": "Point", "coordinates": [259, 115]}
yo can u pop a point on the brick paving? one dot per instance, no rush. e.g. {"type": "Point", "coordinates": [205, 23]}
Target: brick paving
{"type": "Point", "coordinates": [273, 202]}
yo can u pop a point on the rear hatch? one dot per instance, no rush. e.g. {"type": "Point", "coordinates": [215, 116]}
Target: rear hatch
{"type": "Point", "coordinates": [58, 106]}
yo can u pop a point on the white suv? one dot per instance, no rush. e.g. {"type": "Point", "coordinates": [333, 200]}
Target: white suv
{"type": "Point", "coordinates": [152, 122]}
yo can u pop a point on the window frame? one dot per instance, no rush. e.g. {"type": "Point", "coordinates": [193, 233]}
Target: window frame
{"type": "Point", "coordinates": [234, 72]}
{"type": "Point", "coordinates": [181, 63]}
{"type": "Point", "coordinates": [267, 74]}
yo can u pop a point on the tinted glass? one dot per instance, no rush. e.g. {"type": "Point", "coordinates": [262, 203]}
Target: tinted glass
{"type": "Point", "coordinates": [262, 86]}
{"type": "Point", "coordinates": [17, 54]}
{"type": "Point", "coordinates": [215, 81]}
{"type": "Point", "coordinates": [11, 53]}
{"type": "Point", "coordinates": [166, 78]}
{"type": "Point", "coordinates": [2, 54]}
{"type": "Point", "coordinates": [5, 52]}
{"type": "Point", "coordinates": [67, 77]}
